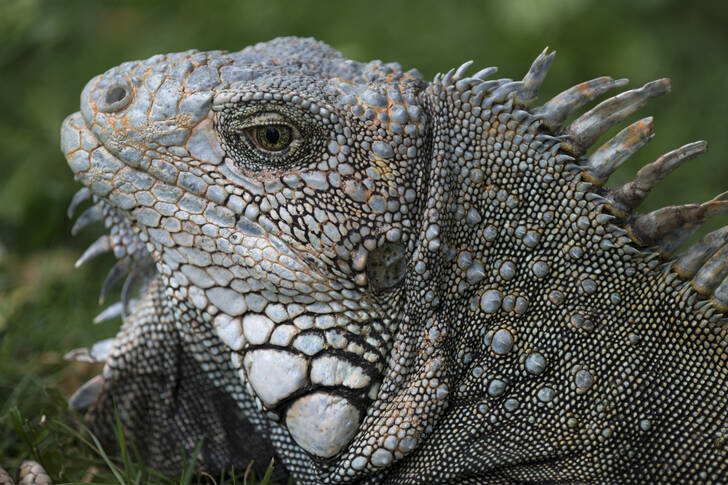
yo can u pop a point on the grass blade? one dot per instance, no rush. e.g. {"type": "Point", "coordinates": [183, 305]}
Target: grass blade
{"type": "Point", "coordinates": [268, 474]}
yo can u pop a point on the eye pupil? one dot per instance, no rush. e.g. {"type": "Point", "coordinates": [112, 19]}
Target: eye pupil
{"type": "Point", "coordinates": [272, 135]}
{"type": "Point", "coordinates": [271, 138]}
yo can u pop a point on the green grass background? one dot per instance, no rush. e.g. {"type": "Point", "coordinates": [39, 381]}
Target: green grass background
{"type": "Point", "coordinates": [50, 48]}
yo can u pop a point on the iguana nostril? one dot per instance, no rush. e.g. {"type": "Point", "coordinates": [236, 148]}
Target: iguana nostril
{"type": "Point", "coordinates": [115, 94]}
{"type": "Point", "coordinates": [116, 98]}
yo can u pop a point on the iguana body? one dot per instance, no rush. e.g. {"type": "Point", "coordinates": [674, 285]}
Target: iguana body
{"type": "Point", "coordinates": [386, 280]}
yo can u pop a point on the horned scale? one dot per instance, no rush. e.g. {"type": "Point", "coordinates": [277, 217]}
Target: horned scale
{"type": "Point", "coordinates": [521, 340]}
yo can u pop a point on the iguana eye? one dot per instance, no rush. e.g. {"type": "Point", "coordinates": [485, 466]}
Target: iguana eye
{"type": "Point", "coordinates": [271, 138]}
{"type": "Point", "coordinates": [270, 134]}
{"type": "Point", "coordinates": [275, 139]}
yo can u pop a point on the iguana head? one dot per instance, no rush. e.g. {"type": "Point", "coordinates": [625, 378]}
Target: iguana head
{"type": "Point", "coordinates": [276, 190]}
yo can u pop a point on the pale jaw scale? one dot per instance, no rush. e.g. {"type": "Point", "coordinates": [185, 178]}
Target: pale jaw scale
{"type": "Point", "coordinates": [257, 328]}
{"type": "Point", "coordinates": [230, 331]}
{"type": "Point", "coordinates": [333, 371]}
{"type": "Point", "coordinates": [322, 424]}
{"type": "Point", "coordinates": [275, 374]}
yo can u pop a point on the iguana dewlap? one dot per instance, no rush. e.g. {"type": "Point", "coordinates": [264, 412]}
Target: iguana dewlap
{"type": "Point", "coordinates": [382, 279]}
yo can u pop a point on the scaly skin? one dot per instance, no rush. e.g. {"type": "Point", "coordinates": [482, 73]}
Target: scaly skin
{"type": "Point", "coordinates": [420, 283]}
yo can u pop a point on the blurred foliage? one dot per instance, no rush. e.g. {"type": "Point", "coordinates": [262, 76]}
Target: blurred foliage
{"type": "Point", "coordinates": [50, 48]}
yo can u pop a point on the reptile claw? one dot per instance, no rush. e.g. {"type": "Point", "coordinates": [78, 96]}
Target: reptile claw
{"type": "Point", "coordinates": [29, 473]}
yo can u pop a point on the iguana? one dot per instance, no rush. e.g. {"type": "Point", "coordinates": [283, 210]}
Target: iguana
{"type": "Point", "coordinates": [381, 279]}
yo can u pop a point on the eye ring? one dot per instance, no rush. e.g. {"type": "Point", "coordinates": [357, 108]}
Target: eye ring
{"type": "Point", "coordinates": [269, 138]}
{"type": "Point", "coordinates": [269, 134]}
